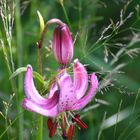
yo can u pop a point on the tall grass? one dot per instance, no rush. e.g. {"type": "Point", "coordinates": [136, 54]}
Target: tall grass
{"type": "Point", "coordinates": [106, 40]}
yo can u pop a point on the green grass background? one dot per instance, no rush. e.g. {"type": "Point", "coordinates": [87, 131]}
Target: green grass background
{"type": "Point", "coordinates": [88, 18]}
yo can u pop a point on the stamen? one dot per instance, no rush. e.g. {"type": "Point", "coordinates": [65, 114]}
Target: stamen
{"type": "Point", "coordinates": [66, 117]}
{"type": "Point", "coordinates": [71, 114]}
{"type": "Point", "coordinates": [49, 123]}
{"type": "Point", "coordinates": [63, 126]}
{"type": "Point", "coordinates": [70, 132]}
{"type": "Point", "coordinates": [79, 122]}
{"type": "Point", "coordinates": [53, 130]}
{"type": "Point", "coordinates": [77, 116]}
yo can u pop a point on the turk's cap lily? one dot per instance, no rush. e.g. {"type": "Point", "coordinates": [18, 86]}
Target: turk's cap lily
{"type": "Point", "coordinates": [62, 44]}
{"type": "Point", "coordinates": [67, 94]}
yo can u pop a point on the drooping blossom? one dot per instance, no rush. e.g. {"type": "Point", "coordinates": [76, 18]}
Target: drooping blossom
{"type": "Point", "coordinates": [67, 94]}
{"type": "Point", "coordinates": [62, 44]}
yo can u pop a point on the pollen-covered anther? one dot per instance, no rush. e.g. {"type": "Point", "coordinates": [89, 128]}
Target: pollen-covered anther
{"type": "Point", "coordinates": [71, 132]}
{"type": "Point", "coordinates": [79, 122]}
{"type": "Point", "coordinates": [49, 123]}
{"type": "Point", "coordinates": [52, 128]}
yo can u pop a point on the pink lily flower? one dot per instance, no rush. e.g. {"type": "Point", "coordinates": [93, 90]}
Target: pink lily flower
{"type": "Point", "coordinates": [62, 44]}
{"type": "Point", "coordinates": [66, 95]}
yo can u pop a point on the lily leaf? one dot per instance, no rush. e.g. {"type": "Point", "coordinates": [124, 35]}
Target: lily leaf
{"type": "Point", "coordinates": [20, 70]}
{"type": "Point", "coordinates": [38, 77]}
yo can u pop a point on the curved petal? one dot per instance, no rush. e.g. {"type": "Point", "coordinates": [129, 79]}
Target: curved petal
{"type": "Point", "coordinates": [86, 99]}
{"type": "Point", "coordinates": [54, 85]}
{"type": "Point", "coordinates": [31, 91]}
{"type": "Point", "coordinates": [32, 106]}
{"type": "Point", "coordinates": [53, 89]}
{"type": "Point", "coordinates": [67, 97]}
{"type": "Point", "coordinates": [80, 79]}
{"type": "Point", "coordinates": [67, 45]}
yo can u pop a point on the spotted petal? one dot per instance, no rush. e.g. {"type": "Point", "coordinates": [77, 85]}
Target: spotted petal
{"type": "Point", "coordinates": [67, 96]}
{"type": "Point", "coordinates": [87, 98]}
{"type": "Point", "coordinates": [80, 79]}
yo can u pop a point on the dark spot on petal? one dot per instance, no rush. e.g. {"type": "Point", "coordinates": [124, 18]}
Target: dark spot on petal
{"type": "Point", "coordinates": [71, 90]}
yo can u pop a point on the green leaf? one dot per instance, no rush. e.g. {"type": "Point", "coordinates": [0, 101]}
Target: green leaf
{"type": "Point", "coordinates": [17, 72]}
{"type": "Point", "coordinates": [20, 70]}
{"type": "Point", "coordinates": [38, 77]}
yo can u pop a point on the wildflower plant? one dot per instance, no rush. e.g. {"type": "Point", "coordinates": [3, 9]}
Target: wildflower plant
{"type": "Point", "coordinates": [66, 94]}
{"type": "Point", "coordinates": [69, 97]}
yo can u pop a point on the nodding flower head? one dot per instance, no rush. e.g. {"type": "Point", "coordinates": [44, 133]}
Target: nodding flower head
{"type": "Point", "coordinates": [66, 95]}
{"type": "Point", "coordinates": [62, 44]}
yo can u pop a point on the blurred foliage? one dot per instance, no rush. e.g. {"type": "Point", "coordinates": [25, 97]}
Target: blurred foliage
{"type": "Point", "coordinates": [119, 74]}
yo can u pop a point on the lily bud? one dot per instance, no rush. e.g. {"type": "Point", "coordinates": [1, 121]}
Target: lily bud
{"type": "Point", "coordinates": [62, 44]}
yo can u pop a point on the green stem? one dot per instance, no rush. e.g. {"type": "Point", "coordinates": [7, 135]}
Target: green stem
{"type": "Point", "coordinates": [39, 45]}
{"type": "Point", "coordinates": [8, 127]}
{"type": "Point", "coordinates": [80, 15]}
{"type": "Point", "coordinates": [40, 60]}
{"type": "Point", "coordinates": [66, 15]}
{"type": "Point", "coordinates": [39, 135]}
{"type": "Point", "coordinates": [20, 78]}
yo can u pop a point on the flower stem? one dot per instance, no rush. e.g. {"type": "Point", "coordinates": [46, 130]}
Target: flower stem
{"type": "Point", "coordinates": [40, 60]}
{"type": "Point", "coordinates": [80, 12]}
{"type": "Point", "coordinates": [20, 78]}
{"type": "Point", "coordinates": [39, 45]}
{"type": "Point", "coordinates": [39, 135]}
{"type": "Point", "coordinates": [52, 21]}
{"type": "Point", "coordinates": [66, 15]}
